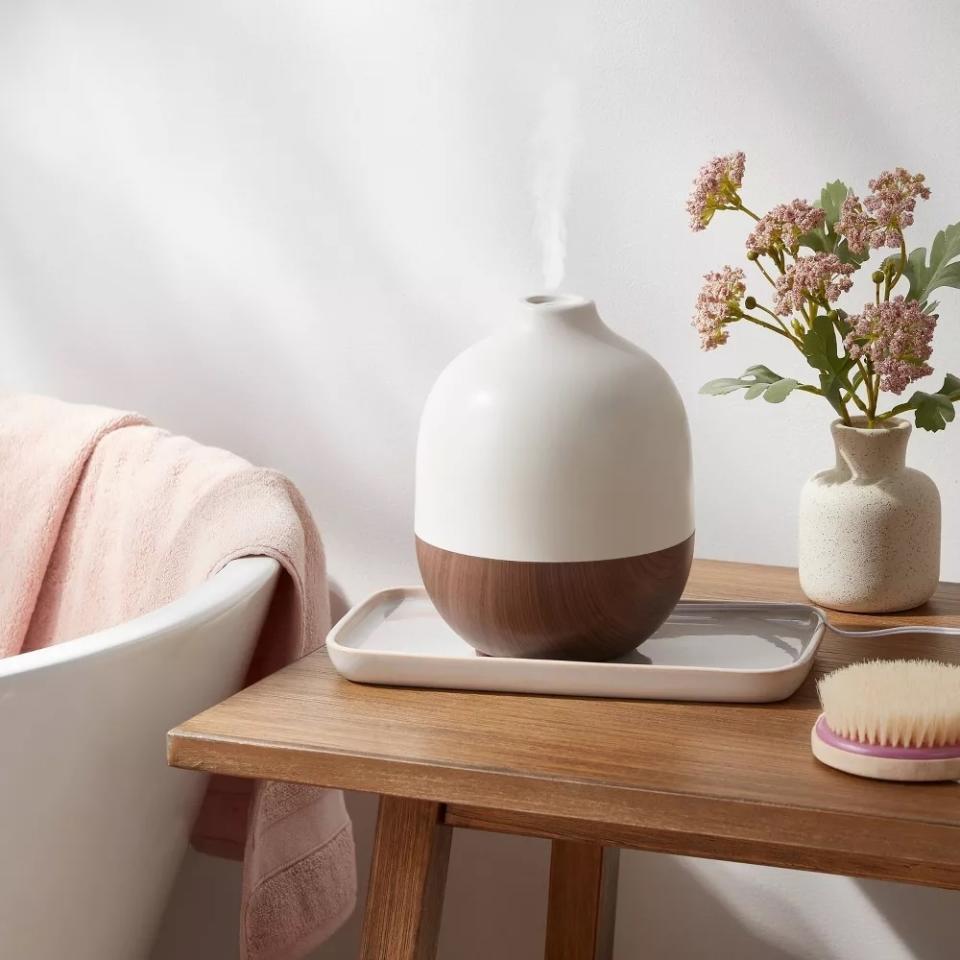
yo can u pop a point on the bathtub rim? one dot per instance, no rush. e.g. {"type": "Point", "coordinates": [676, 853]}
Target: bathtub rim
{"type": "Point", "coordinates": [237, 581]}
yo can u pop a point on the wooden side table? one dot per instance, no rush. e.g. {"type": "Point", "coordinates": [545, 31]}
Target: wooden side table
{"type": "Point", "coordinates": [728, 782]}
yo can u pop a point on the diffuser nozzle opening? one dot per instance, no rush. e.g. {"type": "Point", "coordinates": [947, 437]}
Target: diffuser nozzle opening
{"type": "Point", "coordinates": [556, 300]}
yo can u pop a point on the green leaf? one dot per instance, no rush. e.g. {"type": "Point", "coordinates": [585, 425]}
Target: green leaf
{"type": "Point", "coordinates": [779, 391]}
{"type": "Point", "coordinates": [821, 349]}
{"type": "Point", "coordinates": [943, 269]}
{"type": "Point", "coordinates": [762, 374]}
{"type": "Point", "coordinates": [823, 354]}
{"type": "Point", "coordinates": [757, 380]}
{"type": "Point", "coordinates": [831, 201]}
{"type": "Point", "coordinates": [717, 388]}
{"type": "Point", "coordinates": [817, 241]}
{"type": "Point", "coordinates": [933, 411]}
{"type": "Point", "coordinates": [951, 387]}
{"type": "Point", "coordinates": [825, 239]}
{"type": "Point", "coordinates": [848, 256]}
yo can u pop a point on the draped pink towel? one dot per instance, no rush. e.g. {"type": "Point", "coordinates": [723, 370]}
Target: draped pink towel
{"type": "Point", "coordinates": [104, 517]}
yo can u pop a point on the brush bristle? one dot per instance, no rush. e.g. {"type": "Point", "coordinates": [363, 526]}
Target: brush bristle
{"type": "Point", "coordinates": [896, 703]}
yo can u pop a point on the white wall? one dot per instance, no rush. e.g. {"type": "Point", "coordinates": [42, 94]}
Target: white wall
{"type": "Point", "coordinates": [270, 225]}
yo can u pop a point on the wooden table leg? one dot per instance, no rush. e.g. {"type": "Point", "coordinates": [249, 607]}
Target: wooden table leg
{"type": "Point", "coordinates": [583, 901]}
{"type": "Point", "coordinates": [407, 878]}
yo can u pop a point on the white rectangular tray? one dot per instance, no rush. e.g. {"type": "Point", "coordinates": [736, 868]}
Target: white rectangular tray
{"type": "Point", "coordinates": [707, 651]}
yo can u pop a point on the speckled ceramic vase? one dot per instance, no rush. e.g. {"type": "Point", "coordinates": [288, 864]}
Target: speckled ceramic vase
{"type": "Point", "coordinates": [870, 526]}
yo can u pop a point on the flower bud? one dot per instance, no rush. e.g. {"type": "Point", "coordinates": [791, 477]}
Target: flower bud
{"type": "Point", "coordinates": [877, 276]}
{"type": "Point", "coordinates": [750, 303]}
{"type": "Point", "coordinates": [753, 255]}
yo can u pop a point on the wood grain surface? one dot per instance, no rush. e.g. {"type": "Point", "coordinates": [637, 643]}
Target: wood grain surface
{"type": "Point", "coordinates": [728, 781]}
{"type": "Point", "coordinates": [582, 901]}
{"type": "Point", "coordinates": [594, 610]}
{"type": "Point", "coordinates": [408, 874]}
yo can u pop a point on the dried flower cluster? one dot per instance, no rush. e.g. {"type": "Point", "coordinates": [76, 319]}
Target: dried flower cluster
{"type": "Point", "coordinates": [715, 188]}
{"type": "Point", "coordinates": [896, 336]}
{"type": "Point", "coordinates": [718, 303]}
{"type": "Point", "coordinates": [783, 227]}
{"type": "Point", "coordinates": [821, 278]}
{"type": "Point", "coordinates": [883, 348]}
{"type": "Point", "coordinates": [879, 221]}
{"type": "Point", "coordinates": [858, 227]}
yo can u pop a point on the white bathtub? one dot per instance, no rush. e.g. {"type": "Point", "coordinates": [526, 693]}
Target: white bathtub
{"type": "Point", "coordinates": [93, 824]}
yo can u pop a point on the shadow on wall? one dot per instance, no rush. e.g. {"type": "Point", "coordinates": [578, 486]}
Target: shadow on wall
{"type": "Point", "coordinates": [339, 604]}
{"type": "Point", "coordinates": [496, 902]}
{"type": "Point", "coordinates": [916, 916]}
{"type": "Point", "coordinates": [665, 910]}
{"type": "Point", "coordinates": [679, 908]}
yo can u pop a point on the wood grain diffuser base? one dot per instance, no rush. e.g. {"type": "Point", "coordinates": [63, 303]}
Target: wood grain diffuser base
{"type": "Point", "coordinates": [554, 508]}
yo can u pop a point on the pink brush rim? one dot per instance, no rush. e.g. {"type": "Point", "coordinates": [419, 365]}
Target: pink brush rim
{"type": "Point", "coordinates": [878, 750]}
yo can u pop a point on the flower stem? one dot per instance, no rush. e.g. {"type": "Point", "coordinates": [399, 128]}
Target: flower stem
{"type": "Point", "coordinates": [763, 270]}
{"type": "Point", "coordinates": [770, 326]}
{"type": "Point", "coordinates": [860, 405]}
{"type": "Point", "coordinates": [868, 384]}
{"type": "Point", "coordinates": [893, 411]}
{"type": "Point", "coordinates": [888, 281]}
{"type": "Point", "coordinates": [844, 413]}
{"type": "Point", "coordinates": [746, 210]}
{"type": "Point", "coordinates": [873, 390]}
{"type": "Point", "coordinates": [901, 266]}
{"type": "Point", "coordinates": [781, 324]}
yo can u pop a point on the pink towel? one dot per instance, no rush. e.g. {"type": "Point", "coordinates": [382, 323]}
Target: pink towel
{"type": "Point", "coordinates": [104, 518]}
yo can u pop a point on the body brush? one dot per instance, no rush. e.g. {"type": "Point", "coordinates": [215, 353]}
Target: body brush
{"type": "Point", "coordinates": [891, 720]}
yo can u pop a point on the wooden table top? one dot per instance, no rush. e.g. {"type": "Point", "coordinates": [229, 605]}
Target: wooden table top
{"type": "Point", "coordinates": [727, 781]}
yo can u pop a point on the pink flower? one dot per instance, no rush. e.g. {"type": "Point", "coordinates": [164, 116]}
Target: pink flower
{"type": "Point", "coordinates": [822, 277]}
{"type": "Point", "coordinates": [783, 226]}
{"type": "Point", "coordinates": [896, 336]}
{"type": "Point", "coordinates": [855, 224]}
{"type": "Point", "coordinates": [879, 221]}
{"type": "Point", "coordinates": [893, 200]}
{"type": "Point", "coordinates": [715, 188]}
{"type": "Point", "coordinates": [718, 304]}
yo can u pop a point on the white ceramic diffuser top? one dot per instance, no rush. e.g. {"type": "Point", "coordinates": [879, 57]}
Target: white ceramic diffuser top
{"type": "Point", "coordinates": [554, 440]}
